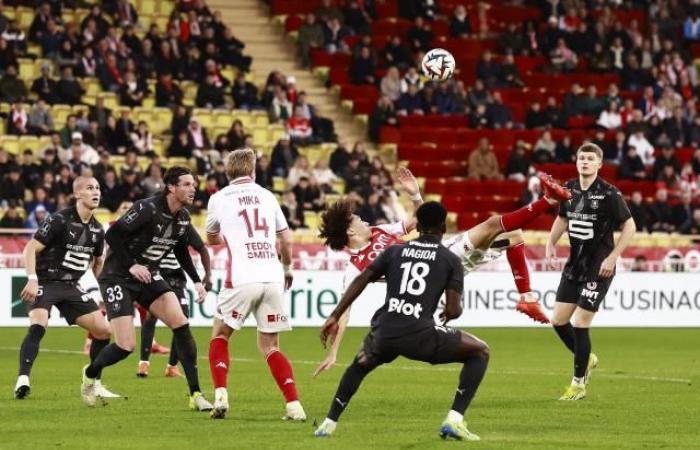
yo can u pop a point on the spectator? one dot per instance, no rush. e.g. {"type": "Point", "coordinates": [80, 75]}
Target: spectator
{"type": "Point", "coordinates": [334, 34]}
{"type": "Point", "coordinates": [40, 121]}
{"type": "Point", "coordinates": [45, 86]}
{"type": "Point", "coordinates": [281, 107]}
{"type": "Point", "coordinates": [483, 164]}
{"type": "Point", "coordinates": [153, 183]}
{"type": "Point", "coordinates": [419, 35]}
{"type": "Point", "coordinates": [488, 70]}
{"type": "Point", "coordinates": [12, 219]}
{"type": "Point", "coordinates": [125, 14]}
{"type": "Point", "coordinates": [411, 77]}
{"type": "Point", "coordinates": [410, 102]}
{"type": "Point", "coordinates": [299, 127]}
{"type": "Point", "coordinates": [12, 88]}
{"type": "Point", "coordinates": [518, 166]}
{"type": "Point", "coordinates": [354, 175]}
{"type": "Point", "coordinates": [283, 157]}
{"type": "Point", "coordinates": [197, 135]}
{"type": "Point", "coordinates": [299, 169]}
{"type": "Point", "coordinates": [610, 118]}
{"type": "Point", "coordinates": [382, 115]}
{"type": "Point", "coordinates": [310, 36]}
{"type": "Point", "coordinates": [309, 196]}
{"type": "Point", "coordinates": [168, 92]}
{"type": "Point", "coordinates": [592, 104]}
{"type": "Point", "coordinates": [510, 74]}
{"type": "Point", "coordinates": [691, 27]}
{"type": "Point", "coordinates": [327, 11]}
{"type": "Point", "coordinates": [563, 58]}
{"type": "Point", "coordinates": [444, 100]}
{"type": "Point", "coordinates": [339, 159]}
{"type": "Point", "coordinates": [291, 210]}
{"type": "Point", "coordinates": [669, 180]}
{"type": "Point", "coordinates": [112, 191]}
{"type": "Point", "coordinates": [12, 187]}
{"type": "Point", "coordinates": [40, 199]}
{"type": "Point", "coordinates": [69, 90]}
{"type": "Point", "coordinates": [210, 94]}
{"type": "Point", "coordinates": [86, 154]}
{"type": "Point", "coordinates": [533, 191]}
{"type": "Point", "coordinates": [478, 95]}
{"type": "Point", "coordinates": [231, 49]}
{"type": "Point", "coordinates": [18, 120]}
{"type": "Point", "coordinates": [109, 74]}
{"type": "Point", "coordinates": [642, 146]}
{"type": "Point", "coordinates": [666, 158]}
{"type": "Point", "coordinates": [397, 53]}
{"type": "Point", "coordinates": [565, 152]}
{"type": "Point", "coordinates": [131, 93]}
{"type": "Point", "coordinates": [639, 210]}
{"type": "Point", "coordinates": [600, 60]}
{"type": "Point", "coordinates": [236, 135]}
{"type": "Point", "coordinates": [478, 118]}
{"type": "Point", "coordinates": [545, 149]}
{"type": "Point", "coordinates": [30, 171]}
{"type": "Point", "coordinates": [324, 175]}
{"type": "Point", "coordinates": [694, 227]}
{"type": "Point", "coordinates": [631, 166]}
{"type": "Point", "coordinates": [677, 128]}
{"type": "Point", "coordinates": [357, 17]}
{"type": "Point", "coordinates": [617, 150]}
{"type": "Point", "coordinates": [660, 213]}
{"type": "Point", "coordinates": [16, 39]}
{"type": "Point", "coordinates": [323, 128]}
{"type": "Point", "coordinates": [683, 212]}
{"type": "Point", "coordinates": [371, 211]}
{"type": "Point", "coordinates": [391, 84]}
{"type": "Point", "coordinates": [460, 25]}
{"type": "Point", "coordinates": [263, 173]}
{"type": "Point", "coordinates": [535, 118]}
{"type": "Point", "coordinates": [498, 114]}
{"type": "Point", "coordinates": [142, 139]}
{"type": "Point", "coordinates": [245, 94]}
{"type": "Point", "coordinates": [363, 68]}
{"type": "Point", "coordinates": [573, 101]}
{"type": "Point", "coordinates": [511, 40]}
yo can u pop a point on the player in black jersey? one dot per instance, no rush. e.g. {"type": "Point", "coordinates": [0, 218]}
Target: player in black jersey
{"type": "Point", "coordinates": [172, 272]}
{"type": "Point", "coordinates": [594, 212]}
{"type": "Point", "coordinates": [151, 229]}
{"type": "Point", "coordinates": [66, 245]}
{"type": "Point", "coordinates": [417, 273]}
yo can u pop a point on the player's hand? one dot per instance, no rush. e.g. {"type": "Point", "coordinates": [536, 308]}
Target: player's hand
{"type": "Point", "coordinates": [550, 256]}
{"type": "Point", "coordinates": [608, 267]}
{"type": "Point", "coordinates": [30, 291]}
{"type": "Point", "coordinates": [207, 282]}
{"type": "Point", "coordinates": [201, 292]}
{"type": "Point", "coordinates": [141, 273]}
{"type": "Point", "coordinates": [326, 364]}
{"type": "Point", "coordinates": [288, 280]}
{"type": "Point", "coordinates": [408, 182]}
{"type": "Point", "coordinates": [329, 331]}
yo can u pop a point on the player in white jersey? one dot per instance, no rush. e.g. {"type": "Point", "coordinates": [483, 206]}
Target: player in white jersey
{"type": "Point", "coordinates": [342, 229]}
{"type": "Point", "coordinates": [247, 219]}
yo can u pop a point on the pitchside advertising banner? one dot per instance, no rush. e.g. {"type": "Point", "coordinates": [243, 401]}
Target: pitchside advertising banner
{"type": "Point", "coordinates": [634, 300]}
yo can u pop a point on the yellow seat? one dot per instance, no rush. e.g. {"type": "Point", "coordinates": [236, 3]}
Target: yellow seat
{"type": "Point", "coordinates": [149, 102]}
{"type": "Point", "coordinates": [110, 100]}
{"type": "Point", "coordinates": [28, 143]}
{"type": "Point", "coordinates": [279, 184]}
{"type": "Point", "coordinates": [91, 86]}
{"type": "Point", "coordinates": [165, 7]}
{"type": "Point", "coordinates": [104, 216]}
{"type": "Point", "coordinates": [147, 7]}
{"type": "Point", "coordinates": [80, 14]}
{"type": "Point", "coordinates": [25, 17]}
{"type": "Point", "coordinates": [26, 69]}
{"type": "Point", "coordinates": [60, 113]}
{"type": "Point", "coordinates": [10, 144]}
{"type": "Point", "coordinates": [259, 135]}
{"type": "Point", "coordinates": [312, 219]}
{"type": "Point", "coordinates": [10, 13]}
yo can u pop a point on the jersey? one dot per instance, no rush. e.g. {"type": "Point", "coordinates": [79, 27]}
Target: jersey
{"type": "Point", "coordinates": [593, 216]}
{"type": "Point", "coordinates": [382, 236]}
{"type": "Point", "coordinates": [170, 267]}
{"type": "Point", "coordinates": [153, 231]}
{"type": "Point", "coordinates": [417, 273]}
{"type": "Point", "coordinates": [70, 245]}
{"type": "Point", "coordinates": [248, 217]}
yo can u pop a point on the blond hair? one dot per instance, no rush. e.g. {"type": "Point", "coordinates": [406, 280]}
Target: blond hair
{"type": "Point", "coordinates": [240, 163]}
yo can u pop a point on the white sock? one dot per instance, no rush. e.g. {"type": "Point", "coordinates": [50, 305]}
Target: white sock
{"type": "Point", "coordinates": [577, 380]}
{"type": "Point", "coordinates": [454, 416]}
{"type": "Point", "coordinates": [330, 422]}
{"type": "Point", "coordinates": [147, 362]}
{"type": "Point", "coordinates": [294, 404]}
{"type": "Point", "coordinates": [220, 392]}
{"type": "Point", "coordinates": [22, 380]}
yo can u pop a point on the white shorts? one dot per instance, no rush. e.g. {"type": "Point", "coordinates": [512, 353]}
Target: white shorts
{"type": "Point", "coordinates": [471, 257]}
{"type": "Point", "coordinates": [264, 300]}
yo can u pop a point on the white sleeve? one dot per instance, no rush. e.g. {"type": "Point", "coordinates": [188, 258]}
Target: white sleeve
{"type": "Point", "coordinates": [351, 272]}
{"type": "Point", "coordinates": [213, 226]}
{"type": "Point", "coordinates": [396, 229]}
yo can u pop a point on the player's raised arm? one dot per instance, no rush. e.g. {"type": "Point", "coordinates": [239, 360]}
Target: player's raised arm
{"type": "Point", "coordinates": [409, 184]}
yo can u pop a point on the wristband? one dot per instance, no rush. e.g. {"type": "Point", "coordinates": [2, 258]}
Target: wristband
{"type": "Point", "coordinates": [417, 198]}
{"type": "Point", "coordinates": [33, 277]}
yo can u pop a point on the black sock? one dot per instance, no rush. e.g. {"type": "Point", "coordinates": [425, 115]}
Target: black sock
{"type": "Point", "coordinates": [109, 355]}
{"type": "Point", "coordinates": [352, 378]}
{"type": "Point", "coordinates": [30, 348]}
{"type": "Point", "coordinates": [172, 359]}
{"type": "Point", "coordinates": [566, 334]}
{"type": "Point", "coordinates": [583, 351]}
{"type": "Point", "coordinates": [469, 380]}
{"type": "Point", "coordinates": [148, 332]}
{"type": "Point", "coordinates": [95, 349]}
{"type": "Point", "coordinates": [187, 350]}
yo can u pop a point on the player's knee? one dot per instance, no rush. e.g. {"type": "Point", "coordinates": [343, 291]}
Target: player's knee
{"type": "Point", "coordinates": [578, 322]}
{"type": "Point", "coordinates": [494, 223]}
{"type": "Point", "coordinates": [558, 321]}
{"type": "Point", "coordinates": [101, 333]}
{"type": "Point", "coordinates": [484, 352]}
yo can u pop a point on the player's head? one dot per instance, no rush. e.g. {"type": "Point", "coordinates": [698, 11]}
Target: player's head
{"type": "Point", "coordinates": [589, 159]}
{"type": "Point", "coordinates": [86, 191]}
{"type": "Point", "coordinates": [240, 163]}
{"type": "Point", "coordinates": [432, 218]}
{"type": "Point", "coordinates": [339, 225]}
{"type": "Point", "coordinates": [124, 207]}
{"type": "Point", "coordinates": [180, 184]}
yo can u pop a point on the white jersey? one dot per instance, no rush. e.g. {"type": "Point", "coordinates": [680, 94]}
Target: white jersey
{"type": "Point", "coordinates": [248, 217]}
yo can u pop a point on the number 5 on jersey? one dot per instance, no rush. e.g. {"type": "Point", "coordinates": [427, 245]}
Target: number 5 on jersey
{"type": "Point", "coordinates": [581, 229]}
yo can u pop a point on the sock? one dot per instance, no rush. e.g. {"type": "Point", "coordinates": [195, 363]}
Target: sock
{"type": "Point", "coordinates": [187, 350]}
{"type": "Point", "coordinates": [518, 265]}
{"type": "Point", "coordinates": [109, 355]}
{"type": "Point", "coordinates": [219, 361]}
{"type": "Point", "coordinates": [143, 312]}
{"type": "Point", "coordinates": [469, 380]}
{"type": "Point", "coordinates": [148, 332]}
{"type": "Point", "coordinates": [95, 349]}
{"type": "Point", "coordinates": [282, 372]}
{"type": "Point", "coordinates": [566, 334]}
{"type": "Point", "coordinates": [352, 378]}
{"type": "Point", "coordinates": [454, 416]}
{"type": "Point", "coordinates": [172, 358]}
{"type": "Point", "coordinates": [521, 217]}
{"type": "Point", "coordinates": [30, 348]}
{"type": "Point", "coordinates": [582, 351]}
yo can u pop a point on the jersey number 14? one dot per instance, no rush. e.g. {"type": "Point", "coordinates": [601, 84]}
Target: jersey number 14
{"type": "Point", "coordinates": [256, 224]}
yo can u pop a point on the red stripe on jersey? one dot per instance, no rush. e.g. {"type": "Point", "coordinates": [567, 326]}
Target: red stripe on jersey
{"type": "Point", "coordinates": [228, 284]}
{"type": "Point", "coordinates": [378, 241]}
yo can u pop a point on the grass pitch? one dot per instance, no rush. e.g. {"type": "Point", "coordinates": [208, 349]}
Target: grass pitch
{"type": "Point", "coordinates": [644, 394]}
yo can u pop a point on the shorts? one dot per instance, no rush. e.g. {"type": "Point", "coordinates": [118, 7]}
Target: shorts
{"type": "Point", "coordinates": [264, 300]}
{"type": "Point", "coordinates": [119, 294]}
{"type": "Point", "coordinates": [588, 295]}
{"type": "Point", "coordinates": [70, 299]}
{"type": "Point", "coordinates": [471, 257]}
{"type": "Point", "coordinates": [434, 345]}
{"type": "Point", "coordinates": [178, 287]}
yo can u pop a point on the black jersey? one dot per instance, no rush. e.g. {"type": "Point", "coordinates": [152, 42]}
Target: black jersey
{"type": "Point", "coordinates": [417, 273]}
{"type": "Point", "coordinates": [593, 216]}
{"type": "Point", "coordinates": [70, 245]}
{"type": "Point", "coordinates": [152, 232]}
{"type": "Point", "coordinates": [170, 267]}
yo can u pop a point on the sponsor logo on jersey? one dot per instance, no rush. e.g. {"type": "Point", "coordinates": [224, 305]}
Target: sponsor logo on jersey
{"type": "Point", "coordinates": [272, 318]}
{"type": "Point", "coordinates": [594, 204]}
{"type": "Point", "coordinates": [596, 197]}
{"type": "Point", "coordinates": [401, 306]}
{"type": "Point", "coordinates": [236, 315]}
{"type": "Point", "coordinates": [131, 216]}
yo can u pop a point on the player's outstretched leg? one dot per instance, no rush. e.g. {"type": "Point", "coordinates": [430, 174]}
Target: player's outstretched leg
{"type": "Point", "coordinates": [171, 370]}
{"type": "Point", "coordinates": [219, 362]}
{"type": "Point", "coordinates": [475, 355]}
{"type": "Point", "coordinates": [96, 325]}
{"type": "Point", "coordinates": [167, 308]}
{"type": "Point", "coordinates": [30, 350]}
{"type": "Point", "coordinates": [349, 384]}
{"type": "Point", "coordinates": [148, 332]}
{"type": "Point", "coordinates": [281, 370]}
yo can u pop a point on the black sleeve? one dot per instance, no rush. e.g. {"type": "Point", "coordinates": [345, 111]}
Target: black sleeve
{"type": "Point", "coordinates": [50, 228]}
{"type": "Point", "coordinates": [379, 266]}
{"type": "Point", "coordinates": [194, 239]}
{"type": "Point", "coordinates": [185, 260]}
{"type": "Point", "coordinates": [100, 245]}
{"type": "Point", "coordinates": [137, 216]}
{"type": "Point", "coordinates": [117, 238]}
{"type": "Point", "coordinates": [619, 211]}
{"type": "Point", "coordinates": [456, 281]}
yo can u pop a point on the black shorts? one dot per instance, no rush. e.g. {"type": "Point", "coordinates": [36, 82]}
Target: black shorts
{"type": "Point", "coordinates": [119, 294]}
{"type": "Point", "coordinates": [434, 345]}
{"type": "Point", "coordinates": [588, 295]}
{"type": "Point", "coordinates": [178, 287]}
{"type": "Point", "coordinates": [70, 299]}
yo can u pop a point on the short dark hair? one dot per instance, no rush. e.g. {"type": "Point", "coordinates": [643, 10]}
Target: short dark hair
{"type": "Point", "coordinates": [431, 218]}
{"type": "Point", "coordinates": [335, 222]}
{"type": "Point", "coordinates": [590, 147]}
{"type": "Point", "coordinates": [172, 176]}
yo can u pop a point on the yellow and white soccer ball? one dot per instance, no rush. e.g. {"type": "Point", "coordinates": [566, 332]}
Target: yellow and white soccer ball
{"type": "Point", "coordinates": [438, 64]}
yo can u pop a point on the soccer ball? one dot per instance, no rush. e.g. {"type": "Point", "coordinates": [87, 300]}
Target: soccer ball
{"type": "Point", "coordinates": [438, 64]}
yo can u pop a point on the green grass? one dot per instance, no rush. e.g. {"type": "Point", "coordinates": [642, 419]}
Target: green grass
{"type": "Point", "coordinates": [645, 394]}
